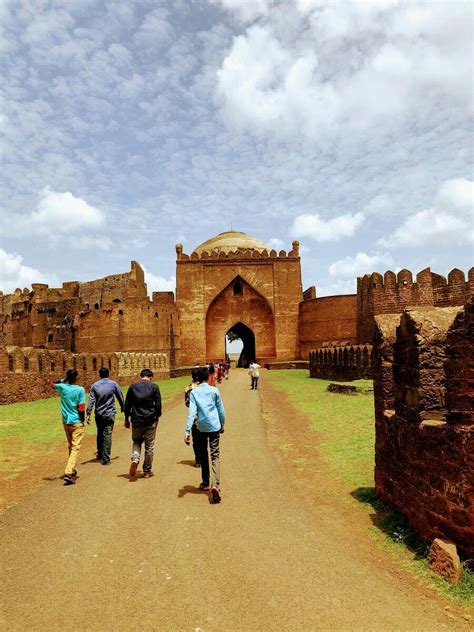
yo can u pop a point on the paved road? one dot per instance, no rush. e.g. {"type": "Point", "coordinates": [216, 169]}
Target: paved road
{"type": "Point", "coordinates": [111, 554]}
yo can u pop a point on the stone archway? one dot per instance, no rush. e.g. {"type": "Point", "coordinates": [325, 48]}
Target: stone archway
{"type": "Point", "coordinates": [240, 305]}
{"type": "Point", "coordinates": [247, 336]}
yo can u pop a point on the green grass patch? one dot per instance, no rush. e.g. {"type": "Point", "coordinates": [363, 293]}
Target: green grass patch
{"type": "Point", "coordinates": [28, 430]}
{"type": "Point", "coordinates": [346, 437]}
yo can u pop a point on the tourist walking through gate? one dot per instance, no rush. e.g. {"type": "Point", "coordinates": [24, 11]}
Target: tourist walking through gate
{"type": "Point", "coordinates": [194, 383]}
{"type": "Point", "coordinates": [254, 372]}
{"type": "Point", "coordinates": [205, 402]}
{"type": "Point", "coordinates": [73, 403]}
{"type": "Point", "coordinates": [102, 396]}
{"type": "Point", "coordinates": [142, 412]}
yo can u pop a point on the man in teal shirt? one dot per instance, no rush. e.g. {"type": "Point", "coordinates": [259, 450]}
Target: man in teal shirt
{"type": "Point", "coordinates": [73, 403]}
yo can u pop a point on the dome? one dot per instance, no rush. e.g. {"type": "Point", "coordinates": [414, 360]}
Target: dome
{"type": "Point", "coordinates": [230, 241]}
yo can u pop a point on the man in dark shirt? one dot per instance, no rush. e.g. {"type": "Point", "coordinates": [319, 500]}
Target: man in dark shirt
{"type": "Point", "coordinates": [143, 410]}
{"type": "Point", "coordinates": [102, 395]}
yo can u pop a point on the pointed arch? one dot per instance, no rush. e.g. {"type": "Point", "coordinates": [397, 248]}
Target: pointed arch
{"type": "Point", "coordinates": [246, 306]}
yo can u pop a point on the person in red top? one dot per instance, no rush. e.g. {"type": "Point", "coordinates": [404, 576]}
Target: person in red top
{"type": "Point", "coordinates": [212, 380]}
{"type": "Point", "coordinates": [220, 371]}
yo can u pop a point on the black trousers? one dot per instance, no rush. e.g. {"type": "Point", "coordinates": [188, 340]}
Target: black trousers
{"type": "Point", "coordinates": [204, 441]}
{"type": "Point", "coordinates": [194, 432]}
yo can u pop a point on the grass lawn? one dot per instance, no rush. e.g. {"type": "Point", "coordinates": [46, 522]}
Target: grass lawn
{"type": "Point", "coordinates": [28, 430]}
{"type": "Point", "coordinates": [346, 436]}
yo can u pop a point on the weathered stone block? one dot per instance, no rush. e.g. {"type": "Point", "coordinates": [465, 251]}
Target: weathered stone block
{"type": "Point", "coordinates": [444, 560]}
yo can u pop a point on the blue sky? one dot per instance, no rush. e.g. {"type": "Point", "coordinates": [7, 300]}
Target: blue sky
{"type": "Point", "coordinates": [126, 127]}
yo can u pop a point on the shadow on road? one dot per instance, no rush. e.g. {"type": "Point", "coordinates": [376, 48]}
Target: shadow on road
{"type": "Point", "coordinates": [129, 478]}
{"type": "Point", "coordinates": [190, 463]}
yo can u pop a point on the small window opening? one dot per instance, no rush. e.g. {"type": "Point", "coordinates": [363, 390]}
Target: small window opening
{"type": "Point", "coordinates": [94, 364]}
{"type": "Point", "coordinates": [26, 364]}
{"type": "Point", "coordinates": [53, 367]}
{"type": "Point", "coordinates": [156, 314]}
{"type": "Point", "coordinates": [50, 337]}
{"type": "Point", "coordinates": [121, 312]}
{"type": "Point", "coordinates": [11, 365]}
{"type": "Point", "coordinates": [238, 288]}
{"type": "Point", "coordinates": [40, 364]}
{"type": "Point", "coordinates": [96, 306]}
{"type": "Point", "coordinates": [116, 300]}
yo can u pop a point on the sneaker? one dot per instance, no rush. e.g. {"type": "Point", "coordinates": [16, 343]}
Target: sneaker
{"type": "Point", "coordinates": [216, 494]}
{"type": "Point", "coordinates": [148, 474]}
{"type": "Point", "coordinates": [104, 462]}
{"type": "Point", "coordinates": [133, 468]}
{"type": "Point", "coordinates": [69, 479]}
{"type": "Point", "coordinates": [204, 487]}
{"type": "Point", "coordinates": [74, 473]}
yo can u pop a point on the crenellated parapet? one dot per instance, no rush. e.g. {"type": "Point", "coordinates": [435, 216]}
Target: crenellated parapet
{"type": "Point", "coordinates": [238, 254]}
{"type": "Point", "coordinates": [392, 293]}
{"type": "Point", "coordinates": [352, 362]}
{"type": "Point", "coordinates": [26, 373]}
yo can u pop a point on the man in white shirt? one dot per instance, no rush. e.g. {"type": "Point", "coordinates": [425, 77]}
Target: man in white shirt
{"type": "Point", "coordinates": [254, 374]}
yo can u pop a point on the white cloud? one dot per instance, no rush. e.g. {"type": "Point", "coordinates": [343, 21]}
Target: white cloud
{"type": "Point", "coordinates": [14, 274]}
{"type": "Point", "coordinates": [275, 243]}
{"type": "Point", "coordinates": [448, 223]}
{"type": "Point", "coordinates": [319, 229]}
{"type": "Point", "coordinates": [56, 214]}
{"type": "Point", "coordinates": [361, 263]}
{"type": "Point", "coordinates": [311, 68]}
{"type": "Point", "coordinates": [246, 10]}
{"type": "Point", "coordinates": [158, 283]}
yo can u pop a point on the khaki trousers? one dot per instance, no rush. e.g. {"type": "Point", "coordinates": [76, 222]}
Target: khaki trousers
{"type": "Point", "coordinates": [74, 434]}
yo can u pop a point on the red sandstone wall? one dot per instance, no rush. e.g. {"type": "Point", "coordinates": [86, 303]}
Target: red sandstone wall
{"type": "Point", "coordinates": [327, 319]}
{"type": "Point", "coordinates": [424, 444]}
{"type": "Point", "coordinates": [26, 373]}
{"type": "Point", "coordinates": [199, 280]}
{"type": "Point", "coordinates": [391, 294]}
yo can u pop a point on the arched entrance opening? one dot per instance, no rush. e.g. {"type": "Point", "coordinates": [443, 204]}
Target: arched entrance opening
{"type": "Point", "coordinates": [246, 335]}
{"type": "Point", "coordinates": [241, 309]}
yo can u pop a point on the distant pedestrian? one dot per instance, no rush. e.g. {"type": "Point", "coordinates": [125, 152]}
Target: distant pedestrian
{"type": "Point", "coordinates": [220, 371]}
{"type": "Point", "coordinates": [205, 402]}
{"type": "Point", "coordinates": [212, 379]}
{"type": "Point", "coordinates": [142, 412]}
{"type": "Point", "coordinates": [193, 384]}
{"type": "Point", "coordinates": [226, 368]}
{"type": "Point", "coordinates": [73, 403]}
{"type": "Point", "coordinates": [102, 396]}
{"type": "Point", "coordinates": [254, 372]}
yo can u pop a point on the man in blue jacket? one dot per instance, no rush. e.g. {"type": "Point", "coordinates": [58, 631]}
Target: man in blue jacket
{"type": "Point", "coordinates": [205, 402]}
{"type": "Point", "coordinates": [102, 395]}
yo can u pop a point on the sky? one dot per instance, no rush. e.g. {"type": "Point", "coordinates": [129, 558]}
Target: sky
{"type": "Point", "coordinates": [129, 126]}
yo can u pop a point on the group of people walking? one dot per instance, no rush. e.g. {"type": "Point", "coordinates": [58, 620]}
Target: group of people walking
{"type": "Point", "coordinates": [142, 408]}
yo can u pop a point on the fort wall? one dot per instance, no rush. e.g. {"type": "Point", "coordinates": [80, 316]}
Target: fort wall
{"type": "Point", "coordinates": [26, 373]}
{"type": "Point", "coordinates": [202, 278]}
{"type": "Point", "coordinates": [424, 403]}
{"type": "Point", "coordinates": [392, 293]}
{"type": "Point", "coordinates": [330, 319]}
{"type": "Point", "coordinates": [353, 362]}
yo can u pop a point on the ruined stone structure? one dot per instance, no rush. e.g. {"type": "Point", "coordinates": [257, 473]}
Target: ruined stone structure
{"type": "Point", "coordinates": [26, 373]}
{"type": "Point", "coordinates": [352, 362]}
{"type": "Point", "coordinates": [234, 283]}
{"type": "Point", "coordinates": [231, 283]}
{"type": "Point", "coordinates": [424, 404]}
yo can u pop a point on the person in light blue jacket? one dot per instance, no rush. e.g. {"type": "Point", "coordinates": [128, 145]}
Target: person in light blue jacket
{"type": "Point", "coordinates": [205, 402]}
